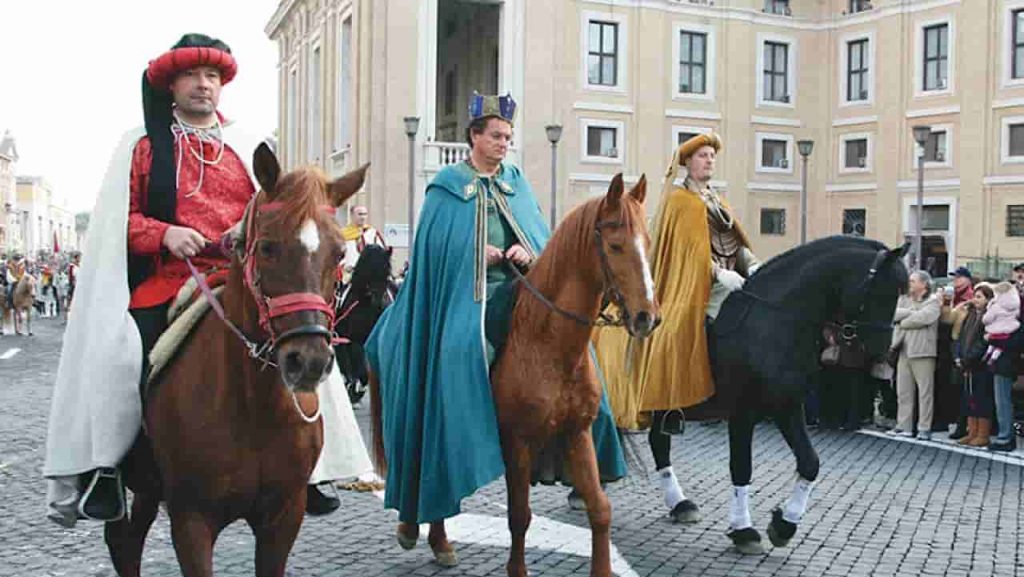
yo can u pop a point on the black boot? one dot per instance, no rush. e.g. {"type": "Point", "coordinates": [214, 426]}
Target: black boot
{"type": "Point", "coordinates": [320, 503]}
{"type": "Point", "coordinates": [103, 499]}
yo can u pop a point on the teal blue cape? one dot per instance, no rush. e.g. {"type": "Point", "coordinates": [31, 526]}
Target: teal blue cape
{"type": "Point", "coordinates": [428, 352]}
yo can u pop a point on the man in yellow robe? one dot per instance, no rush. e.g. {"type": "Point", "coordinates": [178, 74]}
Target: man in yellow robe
{"type": "Point", "coordinates": [699, 255]}
{"type": "Point", "coordinates": [357, 235]}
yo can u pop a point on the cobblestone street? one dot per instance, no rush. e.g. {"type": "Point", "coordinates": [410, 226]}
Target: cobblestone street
{"type": "Point", "coordinates": [881, 507]}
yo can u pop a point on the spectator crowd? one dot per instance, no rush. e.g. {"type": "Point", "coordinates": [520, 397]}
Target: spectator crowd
{"type": "Point", "coordinates": [952, 368]}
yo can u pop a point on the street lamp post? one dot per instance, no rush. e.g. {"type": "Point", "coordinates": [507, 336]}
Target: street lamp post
{"type": "Point", "coordinates": [921, 134]}
{"type": "Point", "coordinates": [412, 126]}
{"type": "Point", "coordinates": [805, 147]}
{"type": "Point", "coordinates": [554, 135]}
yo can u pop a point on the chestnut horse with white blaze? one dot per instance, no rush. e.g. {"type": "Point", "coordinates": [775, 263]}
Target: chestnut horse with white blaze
{"type": "Point", "coordinates": [230, 439]}
{"type": "Point", "coordinates": [544, 384]}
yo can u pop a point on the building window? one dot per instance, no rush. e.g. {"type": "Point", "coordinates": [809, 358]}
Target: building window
{"type": "Point", "coordinates": [449, 93]}
{"type": "Point", "coordinates": [1016, 139]}
{"type": "Point", "coordinates": [601, 141]}
{"type": "Point", "coordinates": [857, 70]}
{"type": "Point", "coordinates": [315, 108]}
{"type": "Point", "coordinates": [855, 153]}
{"type": "Point", "coordinates": [859, 6]}
{"type": "Point", "coordinates": [936, 57]}
{"type": "Point", "coordinates": [935, 217]}
{"type": "Point", "coordinates": [777, 7]}
{"type": "Point", "coordinates": [776, 70]}
{"type": "Point", "coordinates": [935, 147]}
{"type": "Point", "coordinates": [1017, 44]}
{"type": "Point", "coordinates": [682, 137]}
{"type": "Point", "coordinates": [292, 145]}
{"type": "Point", "coordinates": [1015, 220]}
{"type": "Point", "coordinates": [773, 221]}
{"type": "Point", "coordinates": [693, 53]}
{"type": "Point", "coordinates": [602, 53]}
{"type": "Point", "coordinates": [855, 221]}
{"type": "Point", "coordinates": [342, 137]}
{"type": "Point", "coordinates": [774, 154]}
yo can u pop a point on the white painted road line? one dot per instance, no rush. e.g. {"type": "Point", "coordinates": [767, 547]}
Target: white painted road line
{"type": "Point", "coordinates": [1010, 458]}
{"type": "Point", "coordinates": [545, 534]}
{"type": "Point", "coordinates": [9, 354]}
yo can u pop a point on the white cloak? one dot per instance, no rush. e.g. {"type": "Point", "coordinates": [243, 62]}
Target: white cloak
{"type": "Point", "coordinates": [96, 411]}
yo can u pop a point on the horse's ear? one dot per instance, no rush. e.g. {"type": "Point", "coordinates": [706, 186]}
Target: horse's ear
{"type": "Point", "coordinates": [900, 252]}
{"type": "Point", "coordinates": [266, 168]}
{"type": "Point", "coordinates": [639, 190]}
{"type": "Point", "coordinates": [346, 186]}
{"type": "Point", "coordinates": [615, 190]}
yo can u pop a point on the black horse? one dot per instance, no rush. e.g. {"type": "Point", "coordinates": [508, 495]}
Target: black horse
{"type": "Point", "coordinates": [765, 348]}
{"type": "Point", "coordinates": [361, 302]}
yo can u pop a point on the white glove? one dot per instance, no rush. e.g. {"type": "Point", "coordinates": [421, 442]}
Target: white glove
{"type": "Point", "coordinates": [730, 279]}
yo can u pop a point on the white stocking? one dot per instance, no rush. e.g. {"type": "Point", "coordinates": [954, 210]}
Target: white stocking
{"type": "Point", "coordinates": [739, 512]}
{"type": "Point", "coordinates": [670, 486]}
{"type": "Point", "coordinates": [797, 504]}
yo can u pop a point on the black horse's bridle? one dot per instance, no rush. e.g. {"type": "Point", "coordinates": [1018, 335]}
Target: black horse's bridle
{"type": "Point", "coordinates": [848, 327]}
{"type": "Point", "coordinates": [611, 292]}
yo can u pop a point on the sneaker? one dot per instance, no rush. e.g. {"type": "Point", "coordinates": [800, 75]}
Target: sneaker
{"type": "Point", "coordinates": [901, 433]}
{"type": "Point", "coordinates": [924, 436]}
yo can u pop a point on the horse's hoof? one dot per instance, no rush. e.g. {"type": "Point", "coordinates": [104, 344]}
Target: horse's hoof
{"type": "Point", "coordinates": [405, 541]}
{"type": "Point", "coordinates": [747, 541]}
{"type": "Point", "coordinates": [446, 558]}
{"type": "Point", "coordinates": [686, 511]}
{"type": "Point", "coordinates": [780, 531]}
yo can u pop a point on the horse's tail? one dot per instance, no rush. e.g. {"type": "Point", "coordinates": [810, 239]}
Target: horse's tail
{"type": "Point", "coordinates": [380, 462]}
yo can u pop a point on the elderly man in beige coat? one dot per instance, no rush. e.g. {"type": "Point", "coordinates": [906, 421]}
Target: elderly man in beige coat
{"type": "Point", "coordinates": [916, 335]}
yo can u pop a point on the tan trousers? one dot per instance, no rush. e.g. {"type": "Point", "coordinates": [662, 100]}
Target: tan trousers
{"type": "Point", "coordinates": [911, 375]}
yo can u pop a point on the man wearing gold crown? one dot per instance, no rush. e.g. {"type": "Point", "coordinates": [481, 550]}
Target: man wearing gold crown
{"type": "Point", "coordinates": [431, 350]}
{"type": "Point", "coordinates": [172, 189]}
{"type": "Point", "coordinates": [700, 254]}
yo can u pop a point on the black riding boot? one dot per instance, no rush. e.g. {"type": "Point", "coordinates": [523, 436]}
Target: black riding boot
{"type": "Point", "coordinates": [320, 503]}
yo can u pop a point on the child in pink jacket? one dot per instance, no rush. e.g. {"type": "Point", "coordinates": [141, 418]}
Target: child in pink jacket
{"type": "Point", "coordinates": [1001, 320]}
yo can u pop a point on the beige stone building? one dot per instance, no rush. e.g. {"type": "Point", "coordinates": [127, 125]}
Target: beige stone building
{"type": "Point", "coordinates": [42, 216]}
{"type": "Point", "coordinates": [9, 231]}
{"type": "Point", "coordinates": [627, 79]}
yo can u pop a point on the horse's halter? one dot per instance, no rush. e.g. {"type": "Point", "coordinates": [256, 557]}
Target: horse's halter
{"type": "Point", "coordinates": [849, 330]}
{"type": "Point", "coordinates": [271, 308]}
{"type": "Point", "coordinates": [611, 292]}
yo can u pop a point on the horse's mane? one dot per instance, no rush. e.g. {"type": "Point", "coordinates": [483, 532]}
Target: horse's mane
{"type": "Point", "coordinates": [303, 194]}
{"type": "Point", "coordinates": [573, 240]}
{"type": "Point", "coordinates": [799, 255]}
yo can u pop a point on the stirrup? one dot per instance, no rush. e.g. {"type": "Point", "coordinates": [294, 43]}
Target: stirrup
{"type": "Point", "coordinates": [103, 473]}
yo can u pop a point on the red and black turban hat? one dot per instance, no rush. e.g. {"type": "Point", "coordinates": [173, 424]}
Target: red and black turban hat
{"type": "Point", "coordinates": [191, 51]}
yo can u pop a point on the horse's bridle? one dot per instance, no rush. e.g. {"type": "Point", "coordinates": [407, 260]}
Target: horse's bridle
{"type": "Point", "coordinates": [848, 328]}
{"type": "Point", "coordinates": [283, 305]}
{"type": "Point", "coordinates": [269, 307]}
{"type": "Point", "coordinates": [611, 292]}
